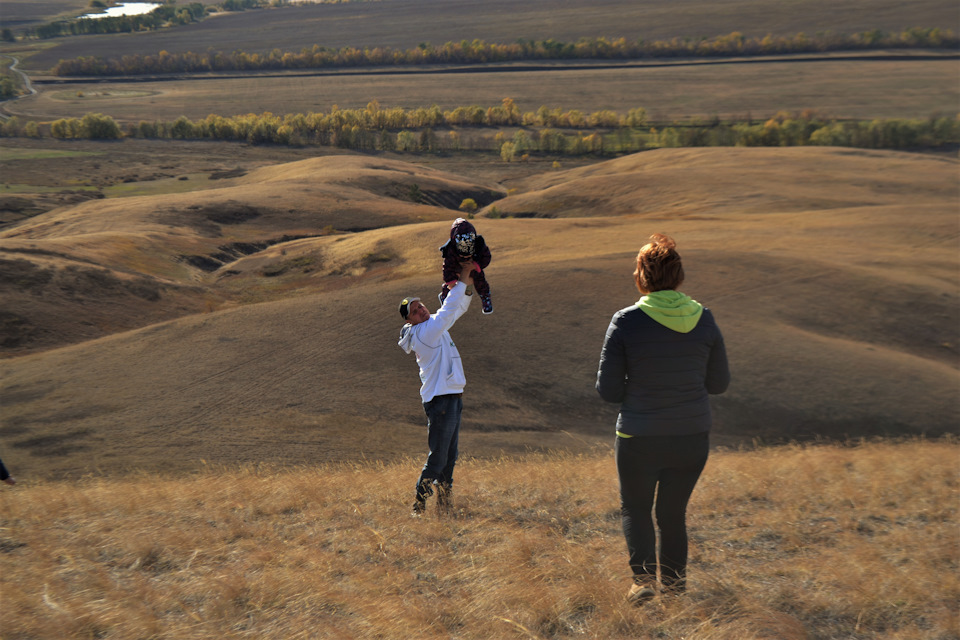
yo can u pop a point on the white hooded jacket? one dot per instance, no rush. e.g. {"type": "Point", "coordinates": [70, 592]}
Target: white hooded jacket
{"type": "Point", "coordinates": [441, 371]}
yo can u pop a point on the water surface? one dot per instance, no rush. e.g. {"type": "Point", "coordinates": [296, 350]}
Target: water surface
{"type": "Point", "coordinates": [125, 9]}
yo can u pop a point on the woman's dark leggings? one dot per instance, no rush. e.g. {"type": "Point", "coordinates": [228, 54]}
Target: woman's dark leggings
{"type": "Point", "coordinates": [661, 469]}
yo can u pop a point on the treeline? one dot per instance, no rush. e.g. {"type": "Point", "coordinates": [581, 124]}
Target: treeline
{"type": "Point", "coordinates": [163, 16]}
{"type": "Point", "coordinates": [427, 130]}
{"type": "Point", "coordinates": [479, 52]}
{"type": "Point", "coordinates": [374, 117]}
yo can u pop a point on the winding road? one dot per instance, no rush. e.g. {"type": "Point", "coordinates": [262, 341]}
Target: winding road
{"type": "Point", "coordinates": [26, 82]}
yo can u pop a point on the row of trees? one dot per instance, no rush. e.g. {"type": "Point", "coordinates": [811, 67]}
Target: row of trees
{"type": "Point", "coordinates": [302, 129]}
{"type": "Point", "coordinates": [479, 51]}
{"type": "Point", "coordinates": [374, 118]}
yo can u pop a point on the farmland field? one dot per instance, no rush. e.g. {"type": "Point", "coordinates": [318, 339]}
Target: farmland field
{"type": "Point", "coordinates": [19, 13]}
{"type": "Point", "coordinates": [838, 87]}
{"type": "Point", "coordinates": [406, 23]}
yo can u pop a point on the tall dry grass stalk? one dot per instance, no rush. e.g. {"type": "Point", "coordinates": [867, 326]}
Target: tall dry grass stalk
{"type": "Point", "coordinates": [792, 542]}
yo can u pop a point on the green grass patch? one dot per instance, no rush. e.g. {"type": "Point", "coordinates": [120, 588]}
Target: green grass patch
{"type": "Point", "coordinates": [193, 182]}
{"type": "Point", "coordinates": [378, 256]}
{"type": "Point", "coordinates": [7, 154]}
{"type": "Point", "coordinates": [8, 189]}
{"type": "Point", "coordinates": [101, 95]}
{"type": "Point", "coordinates": [303, 264]}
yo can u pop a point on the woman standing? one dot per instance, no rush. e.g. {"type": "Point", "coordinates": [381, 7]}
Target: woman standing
{"type": "Point", "coordinates": [661, 358]}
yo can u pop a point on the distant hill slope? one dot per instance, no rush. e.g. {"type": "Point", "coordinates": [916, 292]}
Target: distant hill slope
{"type": "Point", "coordinates": [835, 283]}
{"type": "Point", "coordinates": [694, 180]}
{"type": "Point", "coordinates": [151, 254]}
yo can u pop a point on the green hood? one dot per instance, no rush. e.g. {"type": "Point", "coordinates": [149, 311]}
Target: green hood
{"type": "Point", "coordinates": [672, 309]}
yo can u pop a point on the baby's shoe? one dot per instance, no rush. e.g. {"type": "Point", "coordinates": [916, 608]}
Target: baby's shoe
{"type": "Point", "coordinates": [487, 304]}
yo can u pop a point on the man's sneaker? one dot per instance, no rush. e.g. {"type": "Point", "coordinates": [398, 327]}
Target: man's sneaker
{"type": "Point", "coordinates": [674, 588]}
{"type": "Point", "coordinates": [640, 593]}
{"type": "Point", "coordinates": [487, 304]}
{"type": "Point", "coordinates": [444, 499]}
{"type": "Point", "coordinates": [424, 489]}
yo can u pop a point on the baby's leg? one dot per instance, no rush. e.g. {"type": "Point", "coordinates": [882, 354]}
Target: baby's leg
{"type": "Point", "coordinates": [483, 290]}
{"type": "Point", "coordinates": [480, 284]}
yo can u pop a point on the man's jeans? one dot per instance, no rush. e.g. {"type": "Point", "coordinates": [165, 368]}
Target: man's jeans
{"type": "Point", "coordinates": [443, 433]}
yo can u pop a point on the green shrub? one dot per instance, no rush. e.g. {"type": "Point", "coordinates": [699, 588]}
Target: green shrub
{"type": "Point", "coordinates": [96, 126]}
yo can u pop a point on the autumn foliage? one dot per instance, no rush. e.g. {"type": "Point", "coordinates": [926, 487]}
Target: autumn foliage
{"type": "Point", "coordinates": [482, 52]}
{"type": "Point", "coordinates": [511, 133]}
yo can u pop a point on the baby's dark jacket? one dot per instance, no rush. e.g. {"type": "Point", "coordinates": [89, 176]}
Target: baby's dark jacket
{"type": "Point", "coordinates": [451, 260]}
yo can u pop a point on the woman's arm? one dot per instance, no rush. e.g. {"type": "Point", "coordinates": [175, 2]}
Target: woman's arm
{"type": "Point", "coordinates": [612, 372]}
{"type": "Point", "coordinates": [718, 370]}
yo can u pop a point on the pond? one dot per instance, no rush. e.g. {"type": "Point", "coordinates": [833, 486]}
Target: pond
{"type": "Point", "coordinates": [125, 9]}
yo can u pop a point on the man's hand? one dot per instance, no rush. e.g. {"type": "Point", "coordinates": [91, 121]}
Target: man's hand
{"type": "Point", "coordinates": [467, 270]}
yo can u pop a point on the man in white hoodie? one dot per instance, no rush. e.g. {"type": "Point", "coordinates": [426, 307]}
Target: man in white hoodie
{"type": "Point", "coordinates": [442, 381]}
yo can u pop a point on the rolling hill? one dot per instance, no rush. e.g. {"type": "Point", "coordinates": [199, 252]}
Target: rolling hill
{"type": "Point", "coordinates": [155, 251]}
{"type": "Point", "coordinates": [831, 272]}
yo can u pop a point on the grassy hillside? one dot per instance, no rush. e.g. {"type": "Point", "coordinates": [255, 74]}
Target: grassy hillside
{"type": "Point", "coordinates": [287, 354]}
{"type": "Point", "coordinates": [786, 543]}
{"type": "Point", "coordinates": [160, 245]}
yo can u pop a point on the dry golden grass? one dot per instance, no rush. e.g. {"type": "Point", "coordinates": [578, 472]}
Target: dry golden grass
{"type": "Point", "coordinates": [791, 542]}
